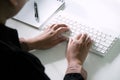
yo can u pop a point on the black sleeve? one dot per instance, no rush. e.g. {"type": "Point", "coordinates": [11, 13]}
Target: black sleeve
{"type": "Point", "coordinates": [73, 76]}
{"type": "Point", "coordinates": [16, 64]}
{"type": "Point", "coordinates": [29, 67]}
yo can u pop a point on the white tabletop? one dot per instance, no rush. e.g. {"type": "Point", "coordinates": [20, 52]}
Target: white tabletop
{"type": "Point", "coordinates": [103, 14]}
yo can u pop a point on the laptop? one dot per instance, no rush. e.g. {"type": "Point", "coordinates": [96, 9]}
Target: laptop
{"type": "Point", "coordinates": [45, 9]}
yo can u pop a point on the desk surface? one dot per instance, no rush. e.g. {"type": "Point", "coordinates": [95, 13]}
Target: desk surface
{"type": "Point", "coordinates": [105, 14]}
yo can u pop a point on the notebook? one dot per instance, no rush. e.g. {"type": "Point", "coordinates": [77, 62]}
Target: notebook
{"type": "Point", "coordinates": [46, 8]}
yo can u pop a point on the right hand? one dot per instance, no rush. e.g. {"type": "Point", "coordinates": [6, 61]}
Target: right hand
{"type": "Point", "coordinates": [76, 54]}
{"type": "Point", "coordinates": [78, 48]}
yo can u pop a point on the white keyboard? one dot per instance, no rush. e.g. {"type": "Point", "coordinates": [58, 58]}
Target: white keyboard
{"type": "Point", "coordinates": [102, 42]}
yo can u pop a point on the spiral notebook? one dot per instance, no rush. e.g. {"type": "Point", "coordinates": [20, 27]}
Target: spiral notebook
{"type": "Point", "coordinates": [45, 8]}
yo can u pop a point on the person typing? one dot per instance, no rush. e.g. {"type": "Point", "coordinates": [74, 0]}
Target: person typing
{"type": "Point", "coordinates": [16, 61]}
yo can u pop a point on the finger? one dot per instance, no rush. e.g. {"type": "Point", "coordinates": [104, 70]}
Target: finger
{"type": "Point", "coordinates": [51, 26]}
{"type": "Point", "coordinates": [78, 37]}
{"type": "Point", "coordinates": [70, 41]}
{"type": "Point", "coordinates": [58, 40]}
{"type": "Point", "coordinates": [88, 39]}
{"type": "Point", "coordinates": [89, 43]}
{"type": "Point", "coordinates": [56, 26]}
{"type": "Point", "coordinates": [61, 36]}
{"type": "Point", "coordinates": [83, 38]}
{"type": "Point", "coordinates": [61, 30]}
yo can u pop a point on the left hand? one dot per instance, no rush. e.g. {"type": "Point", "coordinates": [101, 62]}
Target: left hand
{"type": "Point", "coordinates": [49, 38]}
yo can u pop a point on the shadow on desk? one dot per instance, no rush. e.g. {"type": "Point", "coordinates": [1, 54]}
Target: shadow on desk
{"type": "Point", "coordinates": [51, 55]}
{"type": "Point", "coordinates": [97, 67]}
{"type": "Point", "coordinates": [104, 68]}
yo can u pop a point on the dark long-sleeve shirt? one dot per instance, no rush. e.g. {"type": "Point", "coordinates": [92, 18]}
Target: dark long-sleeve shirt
{"type": "Point", "coordinates": [16, 64]}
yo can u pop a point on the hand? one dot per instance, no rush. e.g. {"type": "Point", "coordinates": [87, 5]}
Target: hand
{"type": "Point", "coordinates": [78, 48]}
{"type": "Point", "coordinates": [49, 38]}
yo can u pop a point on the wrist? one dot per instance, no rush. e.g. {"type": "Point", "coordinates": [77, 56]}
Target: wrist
{"type": "Point", "coordinates": [76, 67]}
{"type": "Point", "coordinates": [27, 44]}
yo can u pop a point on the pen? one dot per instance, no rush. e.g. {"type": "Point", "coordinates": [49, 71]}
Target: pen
{"type": "Point", "coordinates": [36, 12]}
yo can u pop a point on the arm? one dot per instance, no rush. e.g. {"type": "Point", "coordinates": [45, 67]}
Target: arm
{"type": "Point", "coordinates": [76, 54]}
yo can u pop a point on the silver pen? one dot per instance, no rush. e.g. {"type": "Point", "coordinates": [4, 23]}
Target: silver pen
{"type": "Point", "coordinates": [36, 11]}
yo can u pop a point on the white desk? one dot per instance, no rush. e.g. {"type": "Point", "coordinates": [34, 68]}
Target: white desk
{"type": "Point", "coordinates": [103, 14]}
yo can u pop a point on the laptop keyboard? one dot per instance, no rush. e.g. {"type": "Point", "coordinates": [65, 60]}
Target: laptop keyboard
{"type": "Point", "coordinates": [102, 42]}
